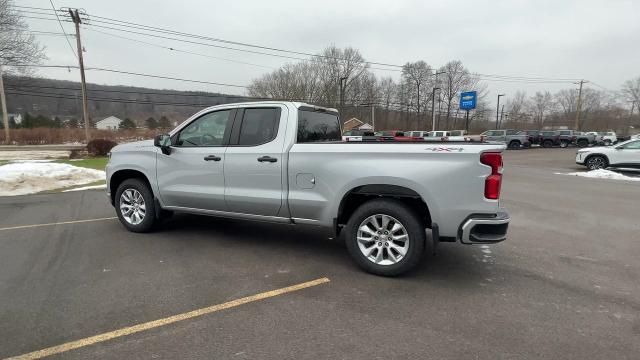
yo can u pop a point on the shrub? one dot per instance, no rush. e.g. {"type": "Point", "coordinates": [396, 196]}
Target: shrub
{"type": "Point", "coordinates": [100, 147]}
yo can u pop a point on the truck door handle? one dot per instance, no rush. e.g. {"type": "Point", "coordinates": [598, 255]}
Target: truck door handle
{"type": "Point", "coordinates": [267, 159]}
{"type": "Point", "coordinates": [212, 157]}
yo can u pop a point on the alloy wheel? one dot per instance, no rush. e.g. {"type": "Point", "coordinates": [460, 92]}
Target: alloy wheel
{"type": "Point", "coordinates": [382, 239]}
{"type": "Point", "coordinates": [132, 206]}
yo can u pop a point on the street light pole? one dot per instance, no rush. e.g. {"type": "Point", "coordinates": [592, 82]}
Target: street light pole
{"type": "Point", "coordinates": [498, 110]}
{"type": "Point", "coordinates": [433, 109]}
{"type": "Point", "coordinates": [341, 89]}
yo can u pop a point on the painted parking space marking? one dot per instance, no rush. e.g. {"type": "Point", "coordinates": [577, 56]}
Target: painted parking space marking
{"type": "Point", "coordinates": [56, 223]}
{"type": "Point", "coordinates": [166, 321]}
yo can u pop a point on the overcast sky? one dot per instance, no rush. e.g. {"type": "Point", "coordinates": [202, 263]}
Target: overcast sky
{"type": "Point", "coordinates": [594, 40]}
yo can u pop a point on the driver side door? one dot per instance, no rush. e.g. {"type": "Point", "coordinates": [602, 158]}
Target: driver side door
{"type": "Point", "coordinates": [192, 175]}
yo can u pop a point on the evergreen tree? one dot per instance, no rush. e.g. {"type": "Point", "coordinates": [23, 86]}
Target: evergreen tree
{"type": "Point", "coordinates": [127, 124]}
{"type": "Point", "coordinates": [164, 123]}
{"type": "Point", "coordinates": [151, 123]}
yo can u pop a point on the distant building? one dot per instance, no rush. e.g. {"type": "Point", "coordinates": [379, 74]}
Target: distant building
{"type": "Point", "coordinates": [365, 127]}
{"type": "Point", "coordinates": [351, 124]}
{"type": "Point", "coordinates": [109, 123]}
{"type": "Point", "coordinates": [17, 118]}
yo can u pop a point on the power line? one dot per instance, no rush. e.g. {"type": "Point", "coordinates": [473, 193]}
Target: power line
{"type": "Point", "coordinates": [179, 50]}
{"type": "Point", "coordinates": [62, 28]}
{"type": "Point", "coordinates": [131, 73]}
{"type": "Point", "coordinates": [184, 34]}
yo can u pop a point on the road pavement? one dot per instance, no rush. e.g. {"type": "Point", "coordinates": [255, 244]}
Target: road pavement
{"type": "Point", "coordinates": [565, 285]}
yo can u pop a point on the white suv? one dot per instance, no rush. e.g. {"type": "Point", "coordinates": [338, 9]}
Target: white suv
{"type": "Point", "coordinates": [608, 138]}
{"type": "Point", "coordinates": [623, 155]}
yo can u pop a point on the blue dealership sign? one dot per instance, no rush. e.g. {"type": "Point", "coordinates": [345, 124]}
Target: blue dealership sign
{"type": "Point", "coordinates": [468, 100]}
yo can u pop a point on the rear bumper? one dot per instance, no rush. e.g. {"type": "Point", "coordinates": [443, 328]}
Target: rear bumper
{"type": "Point", "coordinates": [484, 229]}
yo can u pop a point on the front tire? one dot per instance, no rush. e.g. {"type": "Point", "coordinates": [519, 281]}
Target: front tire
{"type": "Point", "coordinates": [607, 143]}
{"type": "Point", "coordinates": [564, 144]}
{"type": "Point", "coordinates": [385, 237]}
{"type": "Point", "coordinates": [515, 144]}
{"type": "Point", "coordinates": [583, 143]}
{"type": "Point", "coordinates": [135, 206]}
{"type": "Point", "coordinates": [547, 144]}
{"type": "Point", "coordinates": [596, 162]}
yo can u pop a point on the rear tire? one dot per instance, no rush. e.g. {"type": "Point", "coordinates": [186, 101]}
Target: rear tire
{"type": "Point", "coordinates": [515, 144]}
{"type": "Point", "coordinates": [135, 206]}
{"type": "Point", "coordinates": [385, 237]}
{"type": "Point", "coordinates": [564, 143]}
{"type": "Point", "coordinates": [547, 144]}
{"type": "Point", "coordinates": [583, 143]}
{"type": "Point", "coordinates": [595, 162]}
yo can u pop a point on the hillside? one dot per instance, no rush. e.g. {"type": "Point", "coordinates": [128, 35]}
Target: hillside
{"type": "Point", "coordinates": [61, 98]}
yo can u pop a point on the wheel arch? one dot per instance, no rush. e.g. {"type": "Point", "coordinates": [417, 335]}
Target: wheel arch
{"type": "Point", "coordinates": [120, 176]}
{"type": "Point", "coordinates": [358, 195]}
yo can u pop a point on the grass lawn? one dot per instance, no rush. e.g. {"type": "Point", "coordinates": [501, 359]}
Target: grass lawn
{"type": "Point", "coordinates": [2, 162]}
{"type": "Point", "coordinates": [98, 163]}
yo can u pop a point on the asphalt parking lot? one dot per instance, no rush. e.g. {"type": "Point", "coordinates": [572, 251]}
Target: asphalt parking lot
{"type": "Point", "coordinates": [565, 285]}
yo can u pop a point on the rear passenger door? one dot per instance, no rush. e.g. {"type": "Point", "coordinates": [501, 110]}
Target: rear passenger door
{"type": "Point", "coordinates": [253, 167]}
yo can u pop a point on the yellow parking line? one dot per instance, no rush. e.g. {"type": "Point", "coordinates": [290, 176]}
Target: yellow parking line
{"type": "Point", "coordinates": [56, 223]}
{"type": "Point", "coordinates": [166, 321]}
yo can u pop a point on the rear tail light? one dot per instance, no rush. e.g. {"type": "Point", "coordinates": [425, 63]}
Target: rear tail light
{"type": "Point", "coordinates": [573, 138]}
{"type": "Point", "coordinates": [492, 182]}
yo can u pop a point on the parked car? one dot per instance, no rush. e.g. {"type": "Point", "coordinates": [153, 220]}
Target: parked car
{"type": "Point", "coordinates": [608, 138]}
{"type": "Point", "coordinates": [393, 135]}
{"type": "Point", "coordinates": [623, 155]}
{"type": "Point", "coordinates": [359, 135]}
{"type": "Point", "coordinates": [549, 139]}
{"type": "Point", "coordinates": [534, 136]}
{"type": "Point", "coordinates": [572, 137]}
{"type": "Point", "coordinates": [285, 162]}
{"type": "Point", "coordinates": [436, 136]}
{"type": "Point", "coordinates": [598, 138]}
{"type": "Point", "coordinates": [416, 134]}
{"type": "Point", "coordinates": [512, 138]}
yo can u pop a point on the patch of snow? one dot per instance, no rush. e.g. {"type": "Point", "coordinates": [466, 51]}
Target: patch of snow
{"type": "Point", "coordinates": [102, 186]}
{"type": "Point", "coordinates": [602, 174]}
{"type": "Point", "coordinates": [33, 154]}
{"type": "Point", "coordinates": [31, 177]}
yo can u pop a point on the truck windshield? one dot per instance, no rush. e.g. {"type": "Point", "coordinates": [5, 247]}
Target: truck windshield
{"type": "Point", "coordinates": [318, 126]}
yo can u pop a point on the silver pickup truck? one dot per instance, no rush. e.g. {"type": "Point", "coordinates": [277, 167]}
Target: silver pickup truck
{"type": "Point", "coordinates": [284, 162]}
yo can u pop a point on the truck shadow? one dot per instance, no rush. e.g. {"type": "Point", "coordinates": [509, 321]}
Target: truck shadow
{"type": "Point", "coordinates": [308, 246]}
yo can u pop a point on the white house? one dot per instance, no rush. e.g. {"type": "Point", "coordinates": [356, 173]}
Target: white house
{"type": "Point", "coordinates": [365, 127]}
{"type": "Point", "coordinates": [109, 123]}
{"type": "Point", "coordinates": [17, 118]}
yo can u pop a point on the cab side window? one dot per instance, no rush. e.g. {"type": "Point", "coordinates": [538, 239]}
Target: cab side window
{"type": "Point", "coordinates": [634, 145]}
{"type": "Point", "coordinates": [207, 130]}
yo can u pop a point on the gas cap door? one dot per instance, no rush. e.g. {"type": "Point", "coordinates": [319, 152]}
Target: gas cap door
{"type": "Point", "coordinates": [305, 181]}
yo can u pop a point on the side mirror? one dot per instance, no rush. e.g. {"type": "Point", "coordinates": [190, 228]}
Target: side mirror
{"type": "Point", "coordinates": [163, 141]}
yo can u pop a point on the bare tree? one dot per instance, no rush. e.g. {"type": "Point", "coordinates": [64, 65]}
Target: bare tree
{"type": "Point", "coordinates": [631, 89]}
{"type": "Point", "coordinates": [541, 105]}
{"type": "Point", "coordinates": [339, 69]}
{"type": "Point", "coordinates": [417, 78]}
{"type": "Point", "coordinates": [17, 47]}
{"type": "Point", "coordinates": [516, 107]}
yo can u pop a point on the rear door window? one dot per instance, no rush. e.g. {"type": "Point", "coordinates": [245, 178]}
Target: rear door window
{"type": "Point", "coordinates": [314, 126]}
{"type": "Point", "coordinates": [259, 126]}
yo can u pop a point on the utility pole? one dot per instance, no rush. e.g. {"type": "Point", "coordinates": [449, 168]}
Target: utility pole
{"type": "Point", "coordinates": [85, 108]}
{"type": "Point", "coordinates": [501, 114]}
{"type": "Point", "coordinates": [498, 110]}
{"type": "Point", "coordinates": [579, 106]}
{"type": "Point", "coordinates": [373, 116]}
{"type": "Point", "coordinates": [5, 116]}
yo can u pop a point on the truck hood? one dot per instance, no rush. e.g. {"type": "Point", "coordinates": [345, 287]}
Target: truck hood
{"type": "Point", "coordinates": [136, 145]}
